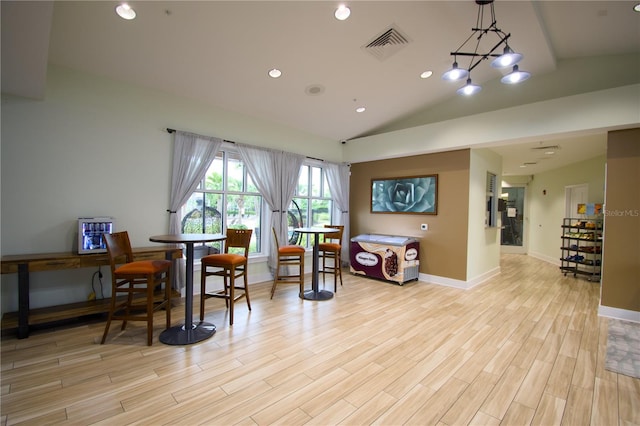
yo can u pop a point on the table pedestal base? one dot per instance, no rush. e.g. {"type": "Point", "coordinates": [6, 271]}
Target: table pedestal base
{"type": "Point", "coordinates": [178, 335]}
{"type": "Point", "coordinates": [318, 295]}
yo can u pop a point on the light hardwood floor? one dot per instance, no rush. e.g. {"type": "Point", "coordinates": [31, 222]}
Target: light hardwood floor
{"type": "Point", "coordinates": [526, 347]}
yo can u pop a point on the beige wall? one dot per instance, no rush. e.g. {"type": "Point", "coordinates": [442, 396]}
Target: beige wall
{"type": "Point", "coordinates": [443, 248]}
{"type": "Point", "coordinates": [621, 263]}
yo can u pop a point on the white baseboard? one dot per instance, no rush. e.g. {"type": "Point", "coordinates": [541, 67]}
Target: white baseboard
{"type": "Point", "coordinates": [545, 258]}
{"type": "Point", "coordinates": [253, 279]}
{"type": "Point", "coordinates": [617, 313]}
{"type": "Point", "coordinates": [464, 285]}
{"type": "Point", "coordinates": [444, 281]}
{"type": "Point", "coordinates": [260, 278]}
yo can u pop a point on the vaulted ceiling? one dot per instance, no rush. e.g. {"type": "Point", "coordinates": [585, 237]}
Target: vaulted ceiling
{"type": "Point", "coordinates": [219, 52]}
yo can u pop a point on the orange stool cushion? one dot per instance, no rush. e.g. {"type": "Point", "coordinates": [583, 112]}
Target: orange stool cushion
{"type": "Point", "coordinates": [329, 246]}
{"type": "Point", "coordinates": [144, 267]}
{"type": "Point", "coordinates": [223, 260]}
{"type": "Point", "coordinates": [291, 250]}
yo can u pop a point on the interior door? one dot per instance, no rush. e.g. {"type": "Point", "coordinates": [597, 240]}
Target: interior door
{"type": "Point", "coordinates": [574, 195]}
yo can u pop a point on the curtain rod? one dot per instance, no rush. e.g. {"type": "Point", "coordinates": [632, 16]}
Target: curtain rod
{"type": "Point", "coordinates": [169, 130]}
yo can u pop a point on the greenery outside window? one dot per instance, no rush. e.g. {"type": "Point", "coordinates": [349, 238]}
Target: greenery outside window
{"type": "Point", "coordinates": [225, 198]}
{"type": "Point", "coordinates": [311, 204]}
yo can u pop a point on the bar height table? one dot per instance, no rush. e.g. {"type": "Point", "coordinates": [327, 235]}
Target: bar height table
{"type": "Point", "coordinates": [189, 332]}
{"type": "Point", "coordinates": [315, 293]}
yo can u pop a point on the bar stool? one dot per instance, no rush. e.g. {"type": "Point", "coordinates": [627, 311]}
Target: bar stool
{"type": "Point", "coordinates": [135, 279]}
{"type": "Point", "coordinates": [229, 266]}
{"type": "Point", "coordinates": [290, 255]}
{"type": "Point", "coordinates": [330, 248]}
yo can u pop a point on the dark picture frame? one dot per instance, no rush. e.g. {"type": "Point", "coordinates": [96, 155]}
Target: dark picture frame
{"type": "Point", "coordinates": [409, 195]}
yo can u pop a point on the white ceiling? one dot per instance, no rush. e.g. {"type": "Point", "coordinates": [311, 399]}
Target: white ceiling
{"type": "Point", "coordinates": [219, 52]}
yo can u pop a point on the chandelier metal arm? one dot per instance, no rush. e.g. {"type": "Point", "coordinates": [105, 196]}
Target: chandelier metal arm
{"type": "Point", "coordinates": [506, 58]}
{"type": "Point", "coordinates": [462, 45]}
{"type": "Point", "coordinates": [482, 56]}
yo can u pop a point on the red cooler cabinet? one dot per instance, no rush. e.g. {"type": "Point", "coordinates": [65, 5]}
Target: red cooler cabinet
{"type": "Point", "coordinates": [387, 257]}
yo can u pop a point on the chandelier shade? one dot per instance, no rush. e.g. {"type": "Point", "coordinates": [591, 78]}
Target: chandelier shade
{"type": "Point", "coordinates": [469, 89]}
{"type": "Point", "coordinates": [455, 73]}
{"type": "Point", "coordinates": [507, 59]}
{"type": "Point", "coordinates": [515, 76]}
{"type": "Point", "coordinates": [482, 32]}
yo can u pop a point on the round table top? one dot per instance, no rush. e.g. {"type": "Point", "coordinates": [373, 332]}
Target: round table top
{"type": "Point", "coordinates": [316, 230]}
{"type": "Point", "coordinates": [187, 238]}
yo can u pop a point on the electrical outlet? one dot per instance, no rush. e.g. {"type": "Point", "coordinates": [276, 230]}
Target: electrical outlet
{"type": "Point", "coordinates": [424, 227]}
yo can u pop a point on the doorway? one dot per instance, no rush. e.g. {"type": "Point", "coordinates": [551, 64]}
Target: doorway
{"type": "Point", "coordinates": [574, 195]}
{"type": "Point", "coordinates": [512, 238]}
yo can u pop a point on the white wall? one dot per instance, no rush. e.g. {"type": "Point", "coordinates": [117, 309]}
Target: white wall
{"type": "Point", "coordinates": [98, 147]}
{"type": "Point", "coordinates": [571, 115]}
{"type": "Point", "coordinates": [547, 203]}
{"type": "Point", "coordinates": [483, 244]}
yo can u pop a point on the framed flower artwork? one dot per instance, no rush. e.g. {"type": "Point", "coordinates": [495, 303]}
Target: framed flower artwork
{"type": "Point", "coordinates": [413, 195]}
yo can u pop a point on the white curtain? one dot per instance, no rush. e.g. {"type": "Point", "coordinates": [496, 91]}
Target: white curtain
{"type": "Point", "coordinates": [275, 174]}
{"type": "Point", "coordinates": [192, 156]}
{"type": "Point", "coordinates": [338, 181]}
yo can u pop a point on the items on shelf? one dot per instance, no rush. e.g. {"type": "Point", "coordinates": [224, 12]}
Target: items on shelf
{"type": "Point", "coordinates": [581, 248]}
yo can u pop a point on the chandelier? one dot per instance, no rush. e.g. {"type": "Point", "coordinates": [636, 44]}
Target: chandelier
{"type": "Point", "coordinates": [501, 58]}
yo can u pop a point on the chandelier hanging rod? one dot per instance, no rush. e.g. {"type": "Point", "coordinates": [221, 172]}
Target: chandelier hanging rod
{"type": "Point", "coordinates": [508, 58]}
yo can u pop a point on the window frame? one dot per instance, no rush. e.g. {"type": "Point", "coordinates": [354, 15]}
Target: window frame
{"type": "Point", "coordinates": [324, 196]}
{"type": "Point", "coordinates": [309, 213]}
{"type": "Point", "coordinates": [227, 153]}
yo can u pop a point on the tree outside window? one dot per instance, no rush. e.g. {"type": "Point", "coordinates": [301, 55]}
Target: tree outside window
{"type": "Point", "coordinates": [226, 198]}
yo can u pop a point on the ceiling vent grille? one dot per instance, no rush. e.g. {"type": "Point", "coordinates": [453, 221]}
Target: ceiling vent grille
{"type": "Point", "coordinates": [546, 148]}
{"type": "Point", "coordinates": [390, 42]}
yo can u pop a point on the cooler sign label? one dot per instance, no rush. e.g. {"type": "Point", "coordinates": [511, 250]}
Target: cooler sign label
{"type": "Point", "coordinates": [367, 259]}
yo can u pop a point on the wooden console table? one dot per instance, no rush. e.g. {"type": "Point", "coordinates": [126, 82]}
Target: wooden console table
{"type": "Point", "coordinates": [23, 264]}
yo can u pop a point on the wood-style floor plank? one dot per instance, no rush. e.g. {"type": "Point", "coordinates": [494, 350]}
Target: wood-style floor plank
{"type": "Point", "coordinates": [525, 347]}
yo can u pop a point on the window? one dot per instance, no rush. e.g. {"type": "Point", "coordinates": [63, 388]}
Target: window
{"type": "Point", "coordinates": [311, 204]}
{"type": "Point", "coordinates": [226, 198]}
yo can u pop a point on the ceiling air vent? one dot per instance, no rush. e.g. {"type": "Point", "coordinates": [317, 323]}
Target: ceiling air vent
{"type": "Point", "coordinates": [546, 148]}
{"type": "Point", "coordinates": [386, 44]}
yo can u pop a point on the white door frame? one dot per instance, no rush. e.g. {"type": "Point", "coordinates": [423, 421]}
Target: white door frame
{"type": "Point", "coordinates": [524, 248]}
{"type": "Point", "coordinates": [574, 195]}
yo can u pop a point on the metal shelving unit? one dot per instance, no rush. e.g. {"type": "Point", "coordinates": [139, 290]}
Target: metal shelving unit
{"type": "Point", "coordinates": [581, 247]}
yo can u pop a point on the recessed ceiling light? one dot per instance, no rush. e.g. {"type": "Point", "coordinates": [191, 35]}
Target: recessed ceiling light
{"type": "Point", "coordinates": [637, 7]}
{"type": "Point", "coordinates": [426, 74]}
{"type": "Point", "coordinates": [549, 152]}
{"type": "Point", "coordinates": [360, 109]}
{"type": "Point", "coordinates": [342, 12]}
{"type": "Point", "coordinates": [125, 11]}
{"type": "Point", "coordinates": [275, 73]}
{"type": "Point", "coordinates": [522, 166]}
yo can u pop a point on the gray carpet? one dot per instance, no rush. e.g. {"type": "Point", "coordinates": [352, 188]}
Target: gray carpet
{"type": "Point", "coordinates": [623, 348]}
